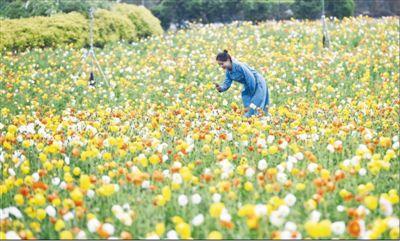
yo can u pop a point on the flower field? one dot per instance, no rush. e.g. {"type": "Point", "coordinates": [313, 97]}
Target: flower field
{"type": "Point", "coordinates": [162, 154]}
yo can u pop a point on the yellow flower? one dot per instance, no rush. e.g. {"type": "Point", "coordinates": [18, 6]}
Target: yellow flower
{"type": "Point", "coordinates": [214, 235]}
{"type": "Point", "coordinates": [39, 199]}
{"type": "Point", "coordinates": [311, 204]}
{"type": "Point", "coordinates": [216, 209]}
{"type": "Point", "coordinates": [84, 182]}
{"type": "Point", "coordinates": [246, 210]}
{"type": "Point", "coordinates": [40, 214]}
{"type": "Point", "coordinates": [325, 174]}
{"type": "Point", "coordinates": [318, 230]}
{"type": "Point", "coordinates": [371, 202]}
{"type": "Point", "coordinates": [19, 199]}
{"type": "Point", "coordinates": [183, 229]}
{"type": "Point", "coordinates": [59, 225]}
{"type": "Point", "coordinates": [166, 192]}
{"type": "Point", "coordinates": [154, 159]}
{"type": "Point", "coordinates": [248, 186]}
{"type": "Point", "coordinates": [252, 222]}
{"type": "Point", "coordinates": [66, 235]}
{"type": "Point", "coordinates": [160, 229]}
{"type": "Point", "coordinates": [76, 171]}
{"type": "Point", "coordinates": [273, 150]}
{"type": "Point", "coordinates": [300, 186]}
{"type": "Point", "coordinates": [394, 233]}
{"type": "Point", "coordinates": [76, 195]}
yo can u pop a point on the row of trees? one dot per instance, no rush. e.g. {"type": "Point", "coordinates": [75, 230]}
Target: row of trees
{"type": "Point", "coordinates": [206, 11]}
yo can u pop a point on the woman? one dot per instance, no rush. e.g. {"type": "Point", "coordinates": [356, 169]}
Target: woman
{"type": "Point", "coordinates": [255, 92]}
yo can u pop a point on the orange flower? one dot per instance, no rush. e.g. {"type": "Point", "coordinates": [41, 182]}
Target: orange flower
{"type": "Point", "coordinates": [354, 228]}
{"type": "Point", "coordinates": [39, 185]}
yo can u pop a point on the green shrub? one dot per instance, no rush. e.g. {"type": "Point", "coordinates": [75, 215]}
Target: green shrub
{"type": "Point", "coordinates": [123, 22]}
{"type": "Point", "coordinates": [145, 22]}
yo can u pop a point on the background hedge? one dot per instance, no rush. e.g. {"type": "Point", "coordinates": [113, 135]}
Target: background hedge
{"type": "Point", "coordinates": [121, 22]}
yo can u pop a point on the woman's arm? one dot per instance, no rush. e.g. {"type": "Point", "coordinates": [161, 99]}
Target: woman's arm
{"type": "Point", "coordinates": [226, 85]}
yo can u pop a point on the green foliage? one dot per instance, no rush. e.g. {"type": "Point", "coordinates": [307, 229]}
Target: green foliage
{"type": "Point", "coordinates": [208, 11]}
{"type": "Point", "coordinates": [312, 9]}
{"type": "Point", "coordinates": [340, 8]}
{"type": "Point", "coordinates": [25, 8]}
{"type": "Point", "coordinates": [141, 17]}
{"type": "Point", "coordinates": [122, 22]}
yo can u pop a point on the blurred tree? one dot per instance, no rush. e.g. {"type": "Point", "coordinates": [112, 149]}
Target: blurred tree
{"type": "Point", "coordinates": [312, 9]}
{"type": "Point", "coordinates": [340, 8]}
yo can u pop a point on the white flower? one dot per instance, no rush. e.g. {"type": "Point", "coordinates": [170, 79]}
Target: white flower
{"type": "Point", "coordinates": [290, 226]}
{"type": "Point", "coordinates": [253, 106]}
{"type": "Point", "coordinates": [225, 216]}
{"type": "Point", "coordinates": [299, 156]}
{"type": "Point", "coordinates": [63, 185]}
{"type": "Point", "coordinates": [15, 212]}
{"type": "Point", "coordinates": [81, 235]}
{"type": "Point", "coordinates": [315, 216]}
{"type": "Point", "coordinates": [51, 211]}
{"type": "Point", "coordinates": [152, 236]}
{"type": "Point", "coordinates": [90, 193]}
{"type": "Point", "coordinates": [67, 160]}
{"type": "Point", "coordinates": [281, 177]}
{"type": "Point", "coordinates": [4, 214]}
{"type": "Point", "coordinates": [11, 172]}
{"type": "Point", "coordinates": [289, 166]}
{"type": "Point", "coordinates": [385, 206]}
{"type": "Point", "coordinates": [145, 184]}
{"type": "Point", "coordinates": [290, 199]}
{"type": "Point", "coordinates": [276, 219]}
{"type": "Point", "coordinates": [260, 210]}
{"type": "Point", "coordinates": [172, 234]}
{"type": "Point", "coordinates": [196, 198]}
{"type": "Point", "coordinates": [68, 216]}
{"type": "Point", "coordinates": [283, 210]}
{"type": "Point", "coordinates": [198, 220]}
{"type": "Point", "coordinates": [177, 164]}
{"type": "Point", "coordinates": [55, 181]}
{"type": "Point", "coordinates": [393, 222]}
{"type": "Point", "coordinates": [108, 228]}
{"type": "Point", "coordinates": [286, 235]}
{"type": "Point", "coordinates": [311, 167]}
{"type": "Point", "coordinates": [262, 165]}
{"type": "Point", "coordinates": [292, 159]}
{"type": "Point", "coordinates": [183, 200]}
{"type": "Point", "coordinates": [117, 209]}
{"type": "Point", "coordinates": [106, 179]}
{"type": "Point", "coordinates": [249, 172]}
{"type": "Point", "coordinates": [93, 224]}
{"type": "Point", "coordinates": [338, 228]}
{"type": "Point", "coordinates": [12, 235]}
{"type": "Point", "coordinates": [362, 172]}
{"type": "Point", "coordinates": [261, 142]}
{"type": "Point", "coordinates": [35, 176]}
{"type": "Point", "coordinates": [165, 158]}
{"type": "Point", "coordinates": [216, 197]}
{"type": "Point", "coordinates": [177, 178]}
{"type": "Point", "coordinates": [270, 139]}
{"type": "Point", "coordinates": [340, 208]}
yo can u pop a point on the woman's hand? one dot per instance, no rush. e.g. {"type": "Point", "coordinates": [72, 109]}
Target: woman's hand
{"type": "Point", "coordinates": [218, 87]}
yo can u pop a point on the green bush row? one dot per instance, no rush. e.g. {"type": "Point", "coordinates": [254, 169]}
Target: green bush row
{"type": "Point", "coordinates": [121, 22]}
